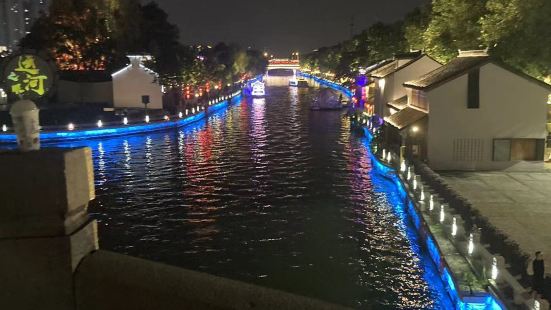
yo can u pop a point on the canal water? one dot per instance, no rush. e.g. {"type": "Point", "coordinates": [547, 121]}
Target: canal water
{"type": "Point", "coordinates": [266, 192]}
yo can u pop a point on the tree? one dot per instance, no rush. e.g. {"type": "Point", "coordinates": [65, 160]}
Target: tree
{"type": "Point", "coordinates": [454, 25]}
{"type": "Point", "coordinates": [415, 25]}
{"type": "Point", "coordinates": [75, 33]}
{"type": "Point", "coordinates": [519, 32]}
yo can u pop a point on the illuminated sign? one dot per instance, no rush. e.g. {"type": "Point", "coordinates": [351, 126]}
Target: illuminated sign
{"type": "Point", "coordinates": [27, 76]}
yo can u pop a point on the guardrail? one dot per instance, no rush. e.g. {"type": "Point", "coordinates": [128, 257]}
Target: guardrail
{"type": "Point", "coordinates": [327, 83]}
{"type": "Point", "coordinates": [125, 126]}
{"type": "Point", "coordinates": [428, 209]}
{"type": "Point", "coordinates": [465, 238]}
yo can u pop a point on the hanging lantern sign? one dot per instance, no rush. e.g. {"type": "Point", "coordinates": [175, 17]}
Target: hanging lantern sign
{"type": "Point", "coordinates": [27, 76]}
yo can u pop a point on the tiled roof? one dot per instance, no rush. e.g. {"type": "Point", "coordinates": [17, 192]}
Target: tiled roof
{"type": "Point", "coordinates": [451, 70]}
{"type": "Point", "coordinates": [399, 103]}
{"type": "Point", "coordinates": [405, 117]}
{"type": "Point", "coordinates": [460, 66]}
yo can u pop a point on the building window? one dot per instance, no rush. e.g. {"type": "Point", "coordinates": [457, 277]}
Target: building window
{"type": "Point", "coordinates": [519, 149]}
{"type": "Point", "coordinates": [473, 96]}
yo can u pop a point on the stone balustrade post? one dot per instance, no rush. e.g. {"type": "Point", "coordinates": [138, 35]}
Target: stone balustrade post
{"type": "Point", "coordinates": [45, 230]}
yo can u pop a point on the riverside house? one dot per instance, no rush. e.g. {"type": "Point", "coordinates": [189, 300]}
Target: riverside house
{"type": "Point", "coordinates": [387, 80]}
{"type": "Point", "coordinates": [136, 84]}
{"type": "Point", "coordinates": [473, 113]}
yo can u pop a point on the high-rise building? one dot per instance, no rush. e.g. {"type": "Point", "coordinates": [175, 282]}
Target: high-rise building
{"type": "Point", "coordinates": [16, 19]}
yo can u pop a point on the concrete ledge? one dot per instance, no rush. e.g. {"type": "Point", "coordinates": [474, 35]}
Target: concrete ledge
{"type": "Point", "coordinates": [110, 281]}
{"type": "Point", "coordinates": [37, 273]}
{"type": "Point", "coordinates": [45, 193]}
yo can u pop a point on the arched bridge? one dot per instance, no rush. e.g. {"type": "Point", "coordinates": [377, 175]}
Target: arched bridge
{"type": "Point", "coordinates": [283, 64]}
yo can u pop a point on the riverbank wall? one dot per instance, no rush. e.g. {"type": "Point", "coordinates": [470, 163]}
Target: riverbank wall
{"type": "Point", "coordinates": [475, 276]}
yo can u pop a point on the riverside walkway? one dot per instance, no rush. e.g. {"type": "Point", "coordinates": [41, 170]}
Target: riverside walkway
{"type": "Point", "coordinates": [516, 203]}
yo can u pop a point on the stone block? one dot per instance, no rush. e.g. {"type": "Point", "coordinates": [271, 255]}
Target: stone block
{"type": "Point", "coordinates": [45, 193]}
{"type": "Point", "coordinates": [37, 273]}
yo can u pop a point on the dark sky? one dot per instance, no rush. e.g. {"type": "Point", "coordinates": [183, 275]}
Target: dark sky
{"type": "Point", "coordinates": [280, 26]}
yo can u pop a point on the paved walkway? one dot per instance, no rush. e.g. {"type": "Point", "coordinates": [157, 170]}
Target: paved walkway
{"type": "Point", "coordinates": [517, 203]}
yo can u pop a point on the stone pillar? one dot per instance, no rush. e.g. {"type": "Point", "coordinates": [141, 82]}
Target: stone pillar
{"type": "Point", "coordinates": [44, 226]}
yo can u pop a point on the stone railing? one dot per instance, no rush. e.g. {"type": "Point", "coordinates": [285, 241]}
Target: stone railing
{"type": "Point", "coordinates": [50, 258]}
{"type": "Point", "coordinates": [435, 203]}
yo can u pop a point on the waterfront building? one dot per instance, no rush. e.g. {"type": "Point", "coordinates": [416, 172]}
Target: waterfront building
{"type": "Point", "coordinates": [473, 113]}
{"type": "Point", "coordinates": [17, 18]}
{"type": "Point", "coordinates": [136, 85]}
{"type": "Point", "coordinates": [388, 92]}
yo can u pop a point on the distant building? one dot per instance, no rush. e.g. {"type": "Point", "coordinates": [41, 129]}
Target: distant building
{"type": "Point", "coordinates": [134, 83]}
{"type": "Point", "coordinates": [387, 80]}
{"type": "Point", "coordinates": [17, 18]}
{"type": "Point", "coordinates": [473, 114]}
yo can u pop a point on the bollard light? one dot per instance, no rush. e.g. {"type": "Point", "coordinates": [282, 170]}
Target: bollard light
{"type": "Point", "coordinates": [147, 118]}
{"type": "Point", "coordinates": [180, 115]}
{"type": "Point", "coordinates": [192, 110]}
{"type": "Point", "coordinates": [125, 121]}
{"type": "Point", "coordinates": [470, 247]}
{"type": "Point", "coordinates": [389, 157]}
{"type": "Point", "coordinates": [454, 226]}
{"type": "Point", "coordinates": [442, 214]}
{"type": "Point", "coordinates": [409, 174]}
{"type": "Point", "coordinates": [403, 166]}
{"type": "Point", "coordinates": [494, 268]}
{"type": "Point", "coordinates": [4, 128]}
{"type": "Point", "coordinates": [422, 198]}
{"type": "Point", "coordinates": [415, 183]}
{"type": "Point", "coordinates": [166, 118]}
{"type": "Point", "coordinates": [187, 112]}
{"type": "Point", "coordinates": [100, 123]}
{"type": "Point", "coordinates": [71, 126]}
{"type": "Point", "coordinates": [384, 154]}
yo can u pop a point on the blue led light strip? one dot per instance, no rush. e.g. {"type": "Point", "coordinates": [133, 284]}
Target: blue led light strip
{"type": "Point", "coordinates": [71, 135]}
{"type": "Point", "coordinates": [487, 301]}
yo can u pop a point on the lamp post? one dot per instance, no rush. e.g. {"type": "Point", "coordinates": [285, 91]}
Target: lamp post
{"type": "Point", "coordinates": [145, 101]}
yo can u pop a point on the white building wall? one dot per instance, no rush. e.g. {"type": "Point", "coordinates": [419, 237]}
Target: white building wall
{"type": "Point", "coordinates": [394, 88]}
{"type": "Point", "coordinates": [510, 107]}
{"type": "Point", "coordinates": [133, 82]}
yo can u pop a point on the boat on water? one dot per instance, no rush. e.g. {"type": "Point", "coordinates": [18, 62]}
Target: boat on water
{"type": "Point", "coordinates": [327, 99]}
{"type": "Point", "coordinates": [302, 83]}
{"type": "Point", "coordinates": [298, 82]}
{"type": "Point", "coordinates": [258, 89]}
{"type": "Point", "coordinates": [293, 82]}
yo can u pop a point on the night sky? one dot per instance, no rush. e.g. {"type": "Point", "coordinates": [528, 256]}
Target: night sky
{"type": "Point", "coordinates": [279, 26]}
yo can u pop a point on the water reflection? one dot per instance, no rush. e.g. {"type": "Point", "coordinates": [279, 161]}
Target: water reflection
{"type": "Point", "coordinates": [270, 193]}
